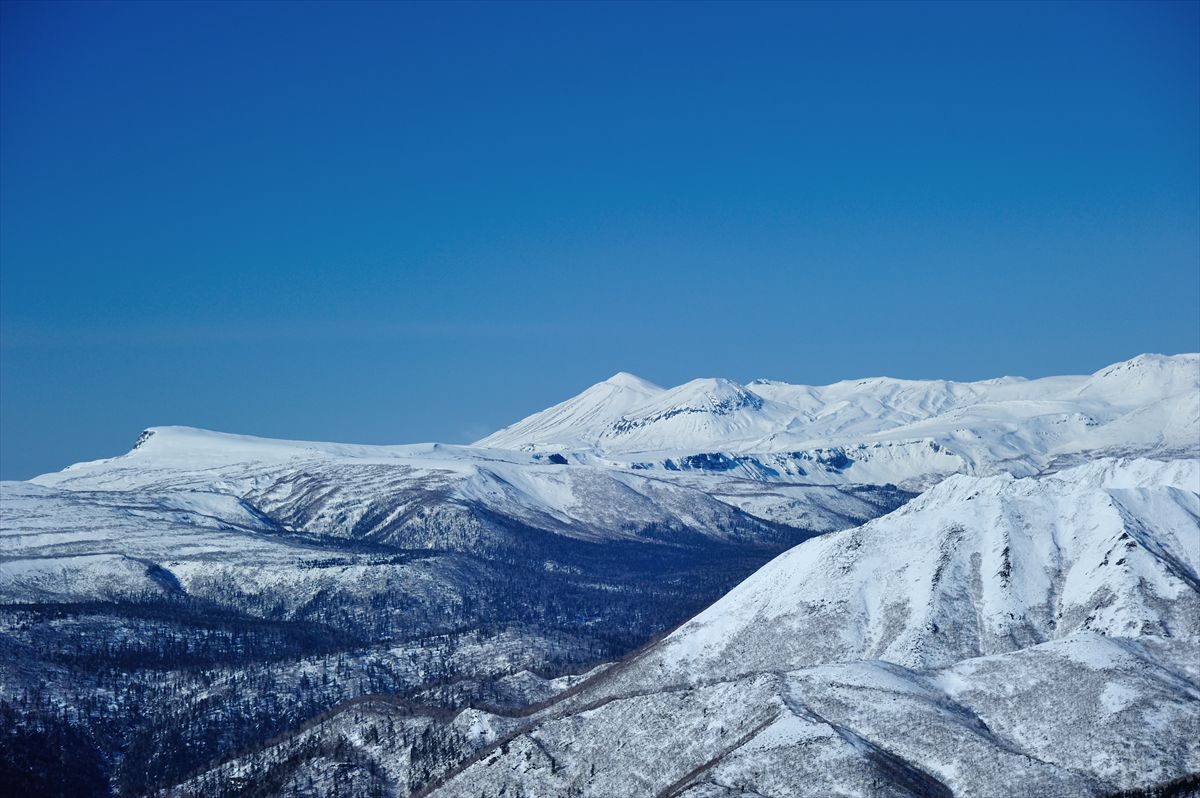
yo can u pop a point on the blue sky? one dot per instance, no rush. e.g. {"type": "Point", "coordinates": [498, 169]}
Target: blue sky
{"type": "Point", "coordinates": [408, 222]}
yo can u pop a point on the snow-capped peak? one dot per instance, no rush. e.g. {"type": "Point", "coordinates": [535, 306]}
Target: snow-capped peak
{"type": "Point", "coordinates": [623, 379]}
{"type": "Point", "coordinates": [1007, 423]}
{"type": "Point", "coordinates": [575, 423]}
{"type": "Point", "coordinates": [1145, 377]}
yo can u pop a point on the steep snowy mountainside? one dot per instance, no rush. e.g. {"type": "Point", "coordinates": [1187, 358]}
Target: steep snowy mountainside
{"type": "Point", "coordinates": [995, 636]}
{"type": "Point", "coordinates": [973, 567]}
{"type": "Point", "coordinates": [1082, 716]}
{"type": "Point", "coordinates": [1148, 405]}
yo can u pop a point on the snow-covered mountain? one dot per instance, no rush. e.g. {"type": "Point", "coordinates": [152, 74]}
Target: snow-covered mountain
{"type": "Point", "coordinates": [996, 636]}
{"type": "Point", "coordinates": [572, 424]}
{"type": "Point", "coordinates": [627, 430]}
{"type": "Point", "coordinates": [229, 588]}
{"type": "Point", "coordinates": [887, 430]}
{"type": "Point", "coordinates": [431, 495]}
{"type": "Point", "coordinates": [971, 568]}
{"type": "Point", "coordinates": [1027, 625]}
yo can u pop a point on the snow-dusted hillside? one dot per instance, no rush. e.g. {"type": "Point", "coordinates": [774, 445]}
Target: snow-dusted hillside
{"type": "Point", "coordinates": [996, 636]}
{"type": "Point", "coordinates": [881, 428]}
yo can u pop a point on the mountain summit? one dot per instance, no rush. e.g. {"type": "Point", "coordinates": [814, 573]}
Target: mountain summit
{"type": "Point", "coordinates": [623, 379]}
{"type": "Point", "coordinates": [1147, 405]}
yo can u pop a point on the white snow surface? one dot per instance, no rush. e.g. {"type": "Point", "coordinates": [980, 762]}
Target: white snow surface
{"type": "Point", "coordinates": [972, 567]}
{"type": "Point", "coordinates": [910, 433]}
{"type": "Point", "coordinates": [984, 635]}
{"type": "Point", "coordinates": [332, 487]}
{"type": "Point", "coordinates": [995, 636]}
{"type": "Point", "coordinates": [1148, 405]}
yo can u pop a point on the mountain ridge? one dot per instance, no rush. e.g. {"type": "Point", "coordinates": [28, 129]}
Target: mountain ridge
{"type": "Point", "coordinates": [776, 689]}
{"type": "Point", "coordinates": [1146, 405]}
{"type": "Point", "coordinates": [1029, 618]}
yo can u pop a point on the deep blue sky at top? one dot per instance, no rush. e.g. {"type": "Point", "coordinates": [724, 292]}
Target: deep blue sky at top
{"type": "Point", "coordinates": [403, 222]}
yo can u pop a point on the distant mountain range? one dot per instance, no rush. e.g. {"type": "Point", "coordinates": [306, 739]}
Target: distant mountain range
{"type": "Point", "coordinates": [215, 614]}
{"type": "Point", "coordinates": [901, 431]}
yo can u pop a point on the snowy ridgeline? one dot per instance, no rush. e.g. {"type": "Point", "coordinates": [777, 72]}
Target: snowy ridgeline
{"type": "Point", "coordinates": [887, 430]}
{"type": "Point", "coordinates": [876, 431]}
{"type": "Point", "coordinates": [207, 593]}
{"type": "Point", "coordinates": [996, 636]}
{"type": "Point", "coordinates": [242, 615]}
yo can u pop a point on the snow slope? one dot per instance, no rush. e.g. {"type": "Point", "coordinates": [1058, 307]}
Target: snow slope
{"type": "Point", "coordinates": [973, 567]}
{"type": "Point", "coordinates": [1028, 625]}
{"type": "Point", "coordinates": [1148, 405]}
{"type": "Point", "coordinates": [569, 424]}
{"type": "Point", "coordinates": [996, 636]}
{"type": "Point", "coordinates": [412, 494]}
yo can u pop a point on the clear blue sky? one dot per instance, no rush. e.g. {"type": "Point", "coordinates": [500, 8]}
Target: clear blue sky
{"type": "Point", "coordinates": [406, 222]}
